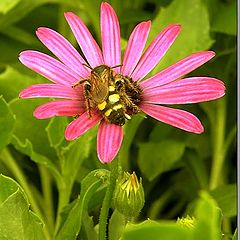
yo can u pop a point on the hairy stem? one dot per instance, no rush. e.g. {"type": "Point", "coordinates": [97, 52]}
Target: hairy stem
{"type": "Point", "coordinates": [107, 201]}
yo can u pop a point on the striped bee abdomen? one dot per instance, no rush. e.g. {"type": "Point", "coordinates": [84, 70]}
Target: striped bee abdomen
{"type": "Point", "coordinates": [113, 108]}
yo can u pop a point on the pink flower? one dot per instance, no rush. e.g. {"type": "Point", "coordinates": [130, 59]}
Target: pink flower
{"type": "Point", "coordinates": [166, 87]}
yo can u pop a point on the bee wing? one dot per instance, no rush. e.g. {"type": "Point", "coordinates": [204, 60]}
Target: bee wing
{"type": "Point", "coordinates": [100, 93]}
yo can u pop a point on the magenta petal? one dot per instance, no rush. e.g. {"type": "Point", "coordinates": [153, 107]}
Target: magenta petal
{"type": "Point", "coordinates": [156, 51]}
{"type": "Point", "coordinates": [52, 90]}
{"type": "Point", "coordinates": [63, 49]}
{"type": "Point", "coordinates": [175, 117]}
{"type": "Point", "coordinates": [177, 70]}
{"type": "Point", "coordinates": [80, 125]}
{"type": "Point", "coordinates": [109, 141]}
{"type": "Point", "coordinates": [87, 43]}
{"type": "Point", "coordinates": [110, 33]}
{"type": "Point", "coordinates": [59, 108]}
{"type": "Point", "coordinates": [187, 90]}
{"type": "Point", "coordinates": [48, 67]}
{"type": "Point", "coordinates": [135, 46]}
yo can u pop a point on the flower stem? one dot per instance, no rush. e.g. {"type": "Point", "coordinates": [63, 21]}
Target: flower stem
{"type": "Point", "coordinates": [107, 200]}
{"type": "Point", "coordinates": [9, 161]}
{"type": "Point", "coordinates": [47, 195]}
{"type": "Point", "coordinates": [218, 144]}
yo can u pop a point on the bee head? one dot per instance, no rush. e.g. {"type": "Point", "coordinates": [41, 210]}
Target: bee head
{"type": "Point", "coordinates": [99, 70]}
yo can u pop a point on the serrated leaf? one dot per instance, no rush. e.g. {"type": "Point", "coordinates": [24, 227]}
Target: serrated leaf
{"type": "Point", "coordinates": [226, 197]}
{"type": "Point", "coordinates": [7, 121]}
{"type": "Point", "coordinates": [17, 222]}
{"type": "Point", "coordinates": [72, 216]}
{"type": "Point", "coordinates": [55, 131]}
{"type": "Point", "coordinates": [29, 135]}
{"type": "Point", "coordinates": [156, 230]}
{"type": "Point", "coordinates": [74, 154]}
{"type": "Point", "coordinates": [156, 158]}
{"type": "Point", "coordinates": [194, 37]}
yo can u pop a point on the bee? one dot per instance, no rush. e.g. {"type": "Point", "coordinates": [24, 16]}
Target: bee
{"type": "Point", "coordinates": [130, 92]}
{"type": "Point", "coordinates": [100, 91]}
{"type": "Point", "coordinates": [95, 88]}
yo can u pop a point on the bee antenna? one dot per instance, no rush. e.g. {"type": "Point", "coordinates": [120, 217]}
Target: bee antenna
{"type": "Point", "coordinates": [120, 65]}
{"type": "Point", "coordinates": [84, 64]}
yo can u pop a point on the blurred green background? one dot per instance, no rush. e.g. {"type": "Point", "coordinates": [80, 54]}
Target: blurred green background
{"type": "Point", "coordinates": [34, 152]}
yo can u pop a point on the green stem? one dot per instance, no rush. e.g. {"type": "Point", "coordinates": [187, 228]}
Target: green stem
{"type": "Point", "coordinates": [218, 127]}
{"type": "Point", "coordinates": [63, 199]}
{"type": "Point", "coordinates": [9, 161]}
{"type": "Point", "coordinates": [46, 182]}
{"type": "Point", "coordinates": [107, 200]}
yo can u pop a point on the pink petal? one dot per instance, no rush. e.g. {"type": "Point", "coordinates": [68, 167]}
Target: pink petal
{"type": "Point", "coordinates": [175, 117]}
{"type": "Point", "coordinates": [48, 67]}
{"type": "Point", "coordinates": [63, 49]}
{"type": "Point", "coordinates": [80, 125]}
{"type": "Point", "coordinates": [178, 69]}
{"type": "Point", "coordinates": [110, 33]}
{"type": "Point", "coordinates": [59, 108]}
{"type": "Point", "coordinates": [109, 141]}
{"type": "Point", "coordinates": [135, 46]}
{"type": "Point", "coordinates": [156, 51]}
{"type": "Point", "coordinates": [87, 43]}
{"type": "Point", "coordinates": [52, 90]}
{"type": "Point", "coordinates": [187, 90]}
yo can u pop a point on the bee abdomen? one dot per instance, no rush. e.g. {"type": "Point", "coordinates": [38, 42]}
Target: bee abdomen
{"type": "Point", "coordinates": [112, 109]}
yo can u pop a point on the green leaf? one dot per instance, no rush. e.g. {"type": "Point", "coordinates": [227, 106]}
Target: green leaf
{"type": "Point", "coordinates": [208, 216]}
{"type": "Point", "coordinates": [7, 121]}
{"type": "Point", "coordinates": [131, 129]}
{"type": "Point", "coordinates": [7, 5]}
{"type": "Point", "coordinates": [72, 216]}
{"type": "Point", "coordinates": [116, 225]}
{"type": "Point", "coordinates": [74, 154]}
{"type": "Point", "coordinates": [88, 226]}
{"type": "Point", "coordinates": [29, 135]}
{"type": "Point", "coordinates": [156, 158]}
{"type": "Point", "coordinates": [226, 197]}
{"type": "Point", "coordinates": [156, 230]}
{"type": "Point", "coordinates": [22, 9]}
{"type": "Point", "coordinates": [193, 16]}
{"type": "Point", "coordinates": [55, 131]}
{"type": "Point", "coordinates": [13, 81]}
{"type": "Point", "coordinates": [225, 20]}
{"type": "Point", "coordinates": [17, 222]}
{"type": "Point", "coordinates": [235, 235]}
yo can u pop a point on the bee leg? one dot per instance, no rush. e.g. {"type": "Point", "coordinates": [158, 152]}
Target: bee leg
{"type": "Point", "coordinates": [79, 83]}
{"type": "Point", "coordinates": [87, 95]}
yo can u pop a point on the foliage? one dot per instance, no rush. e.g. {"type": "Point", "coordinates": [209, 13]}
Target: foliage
{"type": "Point", "coordinates": [53, 189]}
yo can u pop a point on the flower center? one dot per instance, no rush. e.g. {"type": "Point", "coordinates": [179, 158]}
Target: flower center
{"type": "Point", "coordinates": [115, 96]}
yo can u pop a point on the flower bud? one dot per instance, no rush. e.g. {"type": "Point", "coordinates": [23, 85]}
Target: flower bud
{"type": "Point", "coordinates": [129, 195]}
{"type": "Point", "coordinates": [186, 222]}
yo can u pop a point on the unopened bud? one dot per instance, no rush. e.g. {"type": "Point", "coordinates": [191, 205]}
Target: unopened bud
{"type": "Point", "coordinates": [129, 195]}
{"type": "Point", "coordinates": [186, 222]}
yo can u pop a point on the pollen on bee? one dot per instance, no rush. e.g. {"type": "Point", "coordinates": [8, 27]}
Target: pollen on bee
{"type": "Point", "coordinates": [102, 105]}
{"type": "Point", "coordinates": [127, 116]}
{"type": "Point", "coordinates": [118, 106]}
{"type": "Point", "coordinates": [111, 88]}
{"type": "Point", "coordinates": [114, 98]}
{"type": "Point", "coordinates": [108, 112]}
